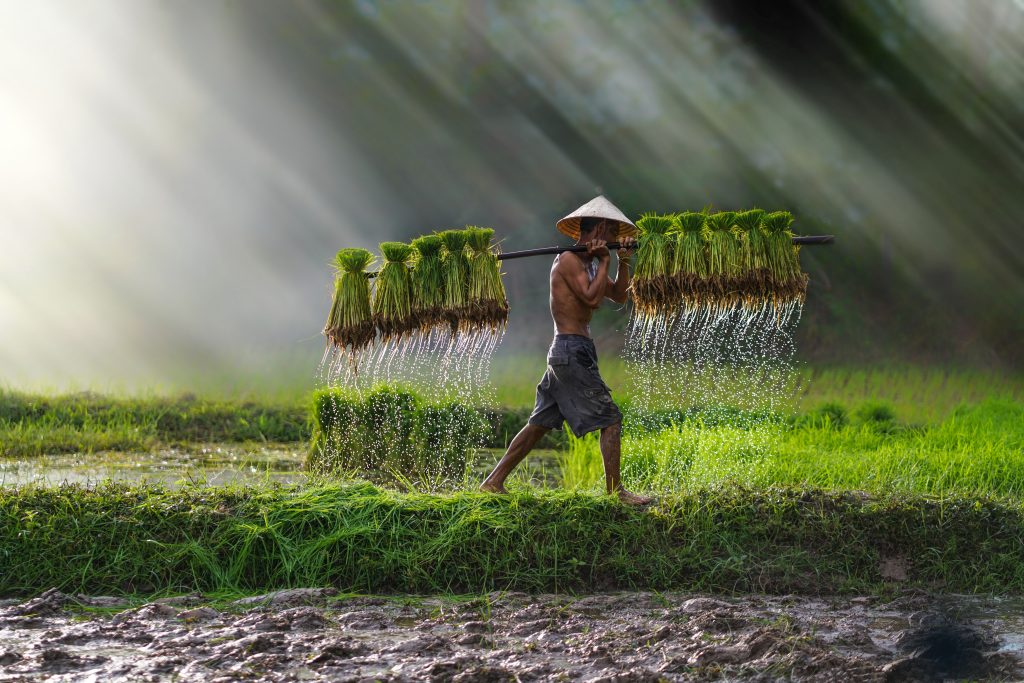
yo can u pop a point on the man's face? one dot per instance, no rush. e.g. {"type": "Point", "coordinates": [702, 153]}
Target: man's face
{"type": "Point", "coordinates": [606, 230]}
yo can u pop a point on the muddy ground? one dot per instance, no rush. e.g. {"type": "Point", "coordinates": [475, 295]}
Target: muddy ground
{"type": "Point", "coordinates": [313, 634]}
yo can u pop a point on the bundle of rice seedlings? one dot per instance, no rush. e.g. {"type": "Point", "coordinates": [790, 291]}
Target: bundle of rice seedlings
{"type": "Point", "coordinates": [724, 259]}
{"type": "Point", "coordinates": [349, 324]}
{"type": "Point", "coordinates": [392, 299]}
{"type": "Point", "coordinates": [690, 267]}
{"type": "Point", "coordinates": [789, 282]}
{"type": "Point", "coordinates": [456, 277]}
{"type": "Point", "coordinates": [428, 287]}
{"type": "Point", "coordinates": [488, 306]}
{"type": "Point", "coordinates": [652, 283]}
{"type": "Point", "coordinates": [754, 283]}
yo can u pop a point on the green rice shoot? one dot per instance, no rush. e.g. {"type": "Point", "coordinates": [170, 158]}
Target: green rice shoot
{"type": "Point", "coordinates": [349, 323]}
{"type": "Point", "coordinates": [392, 301]}
{"type": "Point", "coordinates": [428, 286]}
{"type": "Point", "coordinates": [488, 304]}
{"type": "Point", "coordinates": [456, 277]}
{"type": "Point", "coordinates": [754, 283]}
{"type": "Point", "coordinates": [652, 286]}
{"type": "Point", "coordinates": [789, 281]}
{"type": "Point", "coordinates": [690, 267]}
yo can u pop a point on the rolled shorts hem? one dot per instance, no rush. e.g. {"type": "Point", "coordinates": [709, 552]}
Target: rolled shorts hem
{"type": "Point", "coordinates": [601, 424]}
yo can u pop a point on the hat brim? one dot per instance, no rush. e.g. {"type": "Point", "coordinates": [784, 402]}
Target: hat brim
{"type": "Point", "coordinates": [570, 226]}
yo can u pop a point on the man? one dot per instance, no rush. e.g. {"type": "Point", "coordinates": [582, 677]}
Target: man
{"type": "Point", "coordinates": [572, 389]}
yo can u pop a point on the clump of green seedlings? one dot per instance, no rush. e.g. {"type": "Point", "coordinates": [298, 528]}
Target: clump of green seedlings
{"type": "Point", "coordinates": [350, 323]}
{"type": "Point", "coordinates": [724, 259]}
{"type": "Point", "coordinates": [392, 435]}
{"type": "Point", "coordinates": [428, 284]}
{"type": "Point", "coordinates": [754, 282]}
{"type": "Point", "coordinates": [789, 282]}
{"type": "Point", "coordinates": [652, 285]}
{"type": "Point", "coordinates": [392, 299]}
{"type": "Point", "coordinates": [487, 303]}
{"type": "Point", "coordinates": [455, 263]}
{"type": "Point", "coordinates": [690, 267]}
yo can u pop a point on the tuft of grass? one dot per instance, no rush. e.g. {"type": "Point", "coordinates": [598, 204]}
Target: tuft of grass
{"type": "Point", "coordinates": [876, 412]}
{"type": "Point", "coordinates": [117, 539]}
{"type": "Point", "coordinates": [829, 414]}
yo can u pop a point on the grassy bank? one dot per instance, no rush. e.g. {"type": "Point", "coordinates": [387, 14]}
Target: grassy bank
{"type": "Point", "coordinates": [116, 539]}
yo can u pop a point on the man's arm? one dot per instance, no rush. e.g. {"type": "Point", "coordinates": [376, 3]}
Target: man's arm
{"type": "Point", "coordinates": [618, 290]}
{"type": "Point", "coordinates": [575, 275]}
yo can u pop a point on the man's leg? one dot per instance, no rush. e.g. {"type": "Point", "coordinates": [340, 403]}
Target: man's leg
{"type": "Point", "coordinates": [611, 451]}
{"type": "Point", "coordinates": [518, 449]}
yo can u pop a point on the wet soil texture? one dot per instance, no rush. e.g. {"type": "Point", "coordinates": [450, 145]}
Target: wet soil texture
{"type": "Point", "coordinates": [313, 634]}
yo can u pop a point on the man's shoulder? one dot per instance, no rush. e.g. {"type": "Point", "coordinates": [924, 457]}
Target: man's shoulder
{"type": "Point", "coordinates": [567, 260]}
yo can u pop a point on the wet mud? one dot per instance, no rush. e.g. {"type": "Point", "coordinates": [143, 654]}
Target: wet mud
{"type": "Point", "coordinates": [315, 634]}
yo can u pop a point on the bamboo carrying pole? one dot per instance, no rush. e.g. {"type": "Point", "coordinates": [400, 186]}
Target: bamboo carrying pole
{"type": "Point", "coordinates": [579, 248]}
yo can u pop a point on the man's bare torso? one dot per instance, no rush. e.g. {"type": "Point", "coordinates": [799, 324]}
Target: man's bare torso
{"type": "Point", "coordinates": [571, 314]}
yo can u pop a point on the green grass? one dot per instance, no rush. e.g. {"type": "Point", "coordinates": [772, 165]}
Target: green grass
{"type": "Point", "coordinates": [977, 450]}
{"type": "Point", "coordinates": [917, 393]}
{"type": "Point", "coordinates": [809, 503]}
{"type": "Point", "coordinates": [131, 539]}
{"type": "Point", "coordinates": [32, 425]}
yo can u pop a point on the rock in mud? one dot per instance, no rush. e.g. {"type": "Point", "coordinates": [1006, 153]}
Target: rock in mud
{"type": "Point", "coordinates": [198, 614]}
{"type": "Point", "coordinates": [189, 600]}
{"type": "Point", "coordinates": [295, 597]}
{"type": "Point", "coordinates": [150, 611]}
{"type": "Point", "coordinates": [46, 604]}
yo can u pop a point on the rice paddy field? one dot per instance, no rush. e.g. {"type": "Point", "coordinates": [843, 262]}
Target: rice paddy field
{"type": "Point", "coordinates": [340, 533]}
{"type": "Point", "coordinates": [861, 455]}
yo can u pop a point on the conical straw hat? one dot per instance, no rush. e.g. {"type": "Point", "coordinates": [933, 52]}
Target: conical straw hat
{"type": "Point", "coordinates": [598, 207]}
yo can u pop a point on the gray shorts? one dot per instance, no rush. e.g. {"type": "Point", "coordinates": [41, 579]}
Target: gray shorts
{"type": "Point", "coordinates": [572, 389]}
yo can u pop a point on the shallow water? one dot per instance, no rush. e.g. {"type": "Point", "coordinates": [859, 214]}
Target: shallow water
{"type": "Point", "coordinates": [218, 464]}
{"type": "Point", "coordinates": [209, 464]}
{"type": "Point", "coordinates": [312, 634]}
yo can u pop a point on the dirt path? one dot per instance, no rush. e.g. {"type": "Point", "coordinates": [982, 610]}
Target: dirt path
{"type": "Point", "coordinates": [308, 634]}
